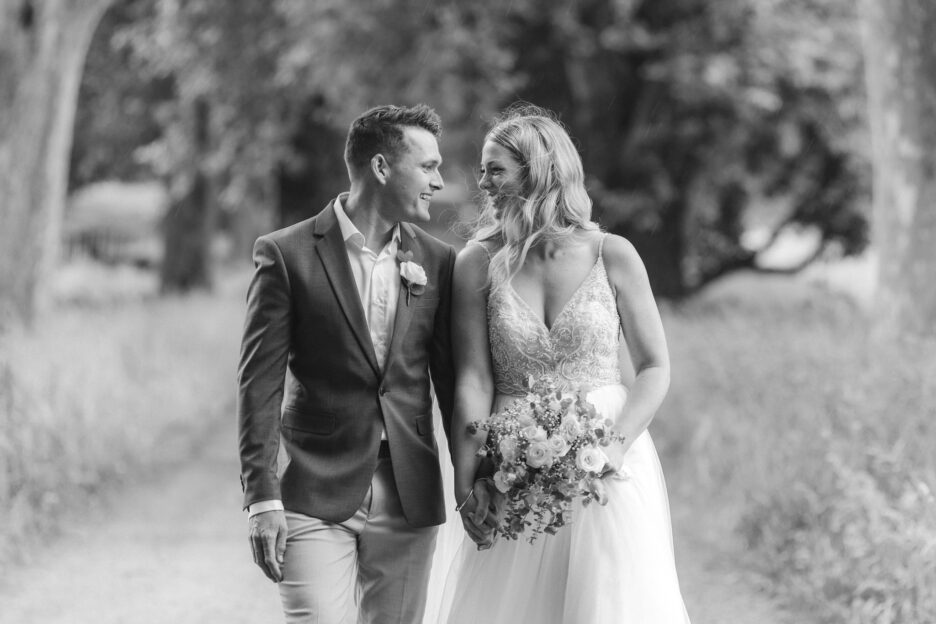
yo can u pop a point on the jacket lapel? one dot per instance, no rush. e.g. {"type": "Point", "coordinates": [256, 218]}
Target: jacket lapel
{"type": "Point", "coordinates": [331, 249]}
{"type": "Point", "coordinates": [405, 306]}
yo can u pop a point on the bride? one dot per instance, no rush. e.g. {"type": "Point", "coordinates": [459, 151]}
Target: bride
{"type": "Point", "coordinates": [541, 290]}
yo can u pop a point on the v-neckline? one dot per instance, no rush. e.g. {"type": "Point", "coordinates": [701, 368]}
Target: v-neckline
{"type": "Point", "coordinates": [542, 321]}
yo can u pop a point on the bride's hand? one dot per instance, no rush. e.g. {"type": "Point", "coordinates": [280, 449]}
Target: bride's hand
{"type": "Point", "coordinates": [490, 508]}
{"type": "Point", "coordinates": [615, 453]}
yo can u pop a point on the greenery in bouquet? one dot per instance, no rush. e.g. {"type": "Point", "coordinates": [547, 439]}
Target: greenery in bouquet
{"type": "Point", "coordinates": [547, 449]}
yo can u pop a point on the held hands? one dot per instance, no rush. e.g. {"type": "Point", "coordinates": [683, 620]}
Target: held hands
{"type": "Point", "coordinates": [481, 511]}
{"type": "Point", "coordinates": [268, 542]}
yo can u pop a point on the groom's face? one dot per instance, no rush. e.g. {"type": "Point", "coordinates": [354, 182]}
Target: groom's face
{"type": "Point", "coordinates": [413, 177]}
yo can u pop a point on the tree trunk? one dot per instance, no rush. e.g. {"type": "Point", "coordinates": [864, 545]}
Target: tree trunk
{"type": "Point", "coordinates": [190, 221]}
{"type": "Point", "coordinates": [305, 189]}
{"type": "Point", "coordinates": [900, 49]}
{"type": "Point", "coordinates": [254, 217]}
{"type": "Point", "coordinates": [662, 250]}
{"type": "Point", "coordinates": [43, 44]}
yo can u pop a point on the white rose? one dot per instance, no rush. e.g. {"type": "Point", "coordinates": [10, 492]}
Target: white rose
{"type": "Point", "coordinates": [570, 427]}
{"type": "Point", "coordinates": [502, 481]}
{"type": "Point", "coordinates": [558, 445]}
{"type": "Point", "coordinates": [508, 450]}
{"type": "Point", "coordinates": [413, 273]}
{"type": "Point", "coordinates": [536, 433]}
{"type": "Point", "coordinates": [590, 459]}
{"type": "Point", "coordinates": [538, 455]}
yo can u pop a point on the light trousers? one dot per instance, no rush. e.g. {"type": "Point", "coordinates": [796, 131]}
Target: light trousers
{"type": "Point", "coordinates": [370, 569]}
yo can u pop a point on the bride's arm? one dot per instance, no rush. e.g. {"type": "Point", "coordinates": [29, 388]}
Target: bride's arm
{"type": "Point", "coordinates": [643, 332]}
{"type": "Point", "coordinates": [474, 379]}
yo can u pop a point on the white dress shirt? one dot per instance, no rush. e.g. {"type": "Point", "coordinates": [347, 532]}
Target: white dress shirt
{"type": "Point", "coordinates": [377, 277]}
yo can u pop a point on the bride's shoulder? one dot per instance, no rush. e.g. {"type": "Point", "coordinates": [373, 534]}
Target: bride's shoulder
{"type": "Point", "coordinates": [475, 252]}
{"type": "Point", "coordinates": [620, 257]}
{"type": "Point", "coordinates": [471, 263]}
{"type": "Point", "coordinates": [489, 247]}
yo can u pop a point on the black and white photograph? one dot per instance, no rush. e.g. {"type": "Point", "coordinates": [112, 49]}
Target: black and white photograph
{"type": "Point", "coordinates": [468, 311]}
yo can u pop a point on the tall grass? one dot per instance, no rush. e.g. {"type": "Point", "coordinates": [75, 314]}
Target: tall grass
{"type": "Point", "coordinates": [815, 440]}
{"type": "Point", "coordinates": [91, 396]}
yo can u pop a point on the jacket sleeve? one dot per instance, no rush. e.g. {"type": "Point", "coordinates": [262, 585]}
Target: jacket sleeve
{"type": "Point", "coordinates": [441, 366]}
{"type": "Point", "coordinates": [261, 372]}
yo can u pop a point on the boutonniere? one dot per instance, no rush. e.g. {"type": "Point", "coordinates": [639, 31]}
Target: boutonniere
{"type": "Point", "coordinates": [413, 275]}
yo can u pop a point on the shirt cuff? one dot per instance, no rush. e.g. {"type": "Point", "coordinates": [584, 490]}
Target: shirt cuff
{"type": "Point", "coordinates": [262, 506]}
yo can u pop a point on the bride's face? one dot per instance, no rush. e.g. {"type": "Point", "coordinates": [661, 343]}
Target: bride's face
{"type": "Point", "coordinates": [500, 176]}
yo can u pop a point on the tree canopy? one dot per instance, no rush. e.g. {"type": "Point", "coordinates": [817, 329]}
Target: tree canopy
{"type": "Point", "coordinates": [706, 128]}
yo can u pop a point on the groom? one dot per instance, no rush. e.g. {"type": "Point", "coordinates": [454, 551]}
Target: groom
{"type": "Point", "coordinates": [354, 304]}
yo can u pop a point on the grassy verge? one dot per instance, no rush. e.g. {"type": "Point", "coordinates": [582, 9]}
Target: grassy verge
{"type": "Point", "coordinates": [792, 423]}
{"type": "Point", "coordinates": [95, 395]}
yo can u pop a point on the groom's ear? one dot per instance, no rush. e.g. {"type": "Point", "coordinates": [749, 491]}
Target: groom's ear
{"type": "Point", "coordinates": [380, 168]}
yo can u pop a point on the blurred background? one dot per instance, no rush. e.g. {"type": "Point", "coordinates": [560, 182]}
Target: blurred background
{"type": "Point", "coordinates": [772, 160]}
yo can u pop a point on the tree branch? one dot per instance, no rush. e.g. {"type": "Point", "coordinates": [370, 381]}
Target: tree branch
{"type": "Point", "coordinates": [750, 261]}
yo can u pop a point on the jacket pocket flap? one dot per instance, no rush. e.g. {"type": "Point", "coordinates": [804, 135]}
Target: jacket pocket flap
{"type": "Point", "coordinates": [424, 424]}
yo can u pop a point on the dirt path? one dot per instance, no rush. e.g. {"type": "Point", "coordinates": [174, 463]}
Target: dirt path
{"type": "Point", "coordinates": [173, 551]}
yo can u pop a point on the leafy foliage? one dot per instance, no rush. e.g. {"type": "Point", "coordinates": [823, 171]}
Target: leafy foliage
{"type": "Point", "coordinates": [699, 122]}
{"type": "Point", "coordinates": [813, 440]}
{"type": "Point", "coordinates": [693, 116]}
{"type": "Point", "coordinates": [117, 111]}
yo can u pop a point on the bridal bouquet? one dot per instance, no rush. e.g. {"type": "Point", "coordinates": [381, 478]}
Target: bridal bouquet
{"type": "Point", "coordinates": [547, 450]}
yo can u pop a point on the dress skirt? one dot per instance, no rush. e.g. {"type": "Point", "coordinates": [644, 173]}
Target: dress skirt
{"type": "Point", "coordinates": [612, 564]}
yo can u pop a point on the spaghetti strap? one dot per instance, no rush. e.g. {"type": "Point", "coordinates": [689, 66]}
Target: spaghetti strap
{"type": "Point", "coordinates": [601, 245]}
{"type": "Point", "coordinates": [483, 245]}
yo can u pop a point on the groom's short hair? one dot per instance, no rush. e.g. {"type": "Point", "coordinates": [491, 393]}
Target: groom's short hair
{"type": "Point", "coordinates": [380, 131]}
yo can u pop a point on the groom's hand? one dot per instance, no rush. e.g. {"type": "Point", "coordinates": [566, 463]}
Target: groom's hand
{"type": "Point", "coordinates": [481, 514]}
{"type": "Point", "coordinates": [268, 542]}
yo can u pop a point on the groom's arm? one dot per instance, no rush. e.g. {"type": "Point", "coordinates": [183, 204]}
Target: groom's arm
{"type": "Point", "coordinates": [262, 371]}
{"type": "Point", "coordinates": [261, 374]}
{"type": "Point", "coordinates": [263, 506]}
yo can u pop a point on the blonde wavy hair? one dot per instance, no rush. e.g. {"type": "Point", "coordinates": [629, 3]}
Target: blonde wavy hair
{"type": "Point", "coordinates": [553, 202]}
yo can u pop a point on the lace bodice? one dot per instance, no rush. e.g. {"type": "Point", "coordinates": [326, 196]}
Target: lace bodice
{"type": "Point", "coordinates": [581, 347]}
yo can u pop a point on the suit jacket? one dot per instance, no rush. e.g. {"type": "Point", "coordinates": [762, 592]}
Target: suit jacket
{"type": "Point", "coordinates": [304, 315]}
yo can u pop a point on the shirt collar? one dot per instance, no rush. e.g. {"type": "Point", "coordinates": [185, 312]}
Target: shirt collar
{"type": "Point", "coordinates": [350, 233]}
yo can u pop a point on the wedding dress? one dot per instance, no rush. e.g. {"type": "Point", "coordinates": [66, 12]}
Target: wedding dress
{"type": "Point", "coordinates": [613, 563]}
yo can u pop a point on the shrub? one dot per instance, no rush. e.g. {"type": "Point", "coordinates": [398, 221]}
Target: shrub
{"type": "Point", "coordinates": [91, 396]}
{"type": "Point", "coordinates": [820, 437]}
